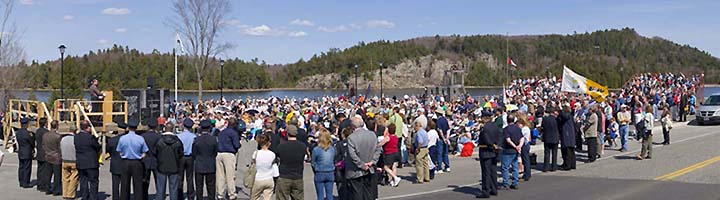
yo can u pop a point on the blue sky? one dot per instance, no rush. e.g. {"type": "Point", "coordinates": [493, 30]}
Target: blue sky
{"type": "Point", "coordinates": [284, 31]}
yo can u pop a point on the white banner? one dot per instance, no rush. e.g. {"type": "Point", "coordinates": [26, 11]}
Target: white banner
{"type": "Point", "coordinates": [573, 82]}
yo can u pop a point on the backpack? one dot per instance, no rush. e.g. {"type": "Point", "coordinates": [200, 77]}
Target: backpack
{"type": "Point", "coordinates": [641, 127]}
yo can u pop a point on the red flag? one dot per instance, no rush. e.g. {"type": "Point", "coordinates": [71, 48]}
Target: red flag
{"type": "Point", "coordinates": [510, 62]}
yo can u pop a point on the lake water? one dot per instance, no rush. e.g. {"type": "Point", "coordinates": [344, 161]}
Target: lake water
{"type": "Point", "coordinates": [44, 95]}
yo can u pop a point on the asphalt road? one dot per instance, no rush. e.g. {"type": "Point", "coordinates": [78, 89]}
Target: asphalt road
{"type": "Point", "coordinates": [615, 176]}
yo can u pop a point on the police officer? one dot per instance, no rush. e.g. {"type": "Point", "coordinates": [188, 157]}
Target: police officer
{"type": "Point", "coordinates": [488, 147]}
{"type": "Point", "coordinates": [132, 148]}
{"type": "Point", "coordinates": [26, 146]}
{"type": "Point", "coordinates": [204, 153]}
{"type": "Point", "coordinates": [186, 162]}
{"type": "Point", "coordinates": [116, 163]}
{"type": "Point", "coordinates": [150, 161]}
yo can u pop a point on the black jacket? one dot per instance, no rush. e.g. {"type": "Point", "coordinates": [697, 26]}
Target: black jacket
{"type": "Point", "coordinates": [169, 150]}
{"type": "Point", "coordinates": [151, 139]}
{"type": "Point", "coordinates": [550, 131]}
{"type": "Point", "coordinates": [204, 152]}
{"type": "Point", "coordinates": [489, 136]}
{"type": "Point", "coordinates": [39, 143]}
{"type": "Point", "coordinates": [567, 130]}
{"type": "Point", "coordinates": [26, 144]}
{"type": "Point", "coordinates": [87, 151]}
{"type": "Point", "coordinates": [116, 162]}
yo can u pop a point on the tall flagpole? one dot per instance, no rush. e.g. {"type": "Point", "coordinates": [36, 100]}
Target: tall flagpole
{"type": "Point", "coordinates": [507, 65]}
{"type": "Point", "coordinates": [176, 74]}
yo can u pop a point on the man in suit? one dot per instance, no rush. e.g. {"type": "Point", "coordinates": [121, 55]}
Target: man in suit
{"type": "Point", "coordinates": [116, 162]}
{"type": "Point", "coordinates": [51, 145]}
{"type": "Point", "coordinates": [550, 137]}
{"type": "Point", "coordinates": [87, 151]}
{"type": "Point", "coordinates": [487, 150]}
{"type": "Point", "coordinates": [362, 154]}
{"type": "Point", "coordinates": [150, 161]}
{"type": "Point", "coordinates": [44, 170]}
{"type": "Point", "coordinates": [26, 148]}
{"type": "Point", "coordinates": [591, 134]}
{"type": "Point", "coordinates": [567, 138]}
{"type": "Point", "coordinates": [132, 149]}
{"type": "Point", "coordinates": [205, 150]}
{"type": "Point", "coordinates": [683, 105]}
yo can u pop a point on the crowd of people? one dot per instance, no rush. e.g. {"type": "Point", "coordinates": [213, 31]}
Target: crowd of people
{"type": "Point", "coordinates": [355, 144]}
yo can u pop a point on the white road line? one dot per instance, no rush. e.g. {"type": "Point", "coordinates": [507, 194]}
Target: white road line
{"type": "Point", "coordinates": [536, 171]}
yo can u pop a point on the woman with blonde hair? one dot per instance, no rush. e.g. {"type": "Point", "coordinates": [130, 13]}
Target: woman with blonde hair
{"type": "Point", "coordinates": [525, 166]}
{"type": "Point", "coordinates": [323, 164]}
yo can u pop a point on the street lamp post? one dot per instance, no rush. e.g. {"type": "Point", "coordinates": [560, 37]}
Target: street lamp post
{"type": "Point", "coordinates": [356, 74]}
{"type": "Point", "coordinates": [222, 78]}
{"type": "Point", "coordinates": [62, 48]}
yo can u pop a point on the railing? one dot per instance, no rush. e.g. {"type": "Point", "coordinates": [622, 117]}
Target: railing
{"type": "Point", "coordinates": [18, 109]}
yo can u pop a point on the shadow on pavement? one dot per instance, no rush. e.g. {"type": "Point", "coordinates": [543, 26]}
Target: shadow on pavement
{"type": "Point", "coordinates": [465, 190]}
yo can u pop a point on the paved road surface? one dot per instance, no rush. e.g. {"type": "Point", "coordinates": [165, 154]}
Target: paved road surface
{"type": "Point", "coordinates": [691, 162]}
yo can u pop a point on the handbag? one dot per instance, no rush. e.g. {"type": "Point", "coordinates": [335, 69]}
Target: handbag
{"type": "Point", "coordinates": [250, 173]}
{"type": "Point", "coordinates": [275, 170]}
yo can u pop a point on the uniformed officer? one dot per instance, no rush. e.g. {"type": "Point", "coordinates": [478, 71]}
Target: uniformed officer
{"type": "Point", "coordinates": [150, 161]}
{"type": "Point", "coordinates": [487, 149]}
{"type": "Point", "coordinates": [26, 146]}
{"type": "Point", "coordinates": [132, 149]}
{"type": "Point", "coordinates": [187, 137]}
{"type": "Point", "coordinates": [44, 170]}
{"type": "Point", "coordinates": [204, 153]}
{"type": "Point", "coordinates": [116, 162]}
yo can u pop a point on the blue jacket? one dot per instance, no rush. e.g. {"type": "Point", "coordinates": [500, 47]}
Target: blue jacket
{"type": "Point", "coordinates": [323, 160]}
{"type": "Point", "coordinates": [228, 141]}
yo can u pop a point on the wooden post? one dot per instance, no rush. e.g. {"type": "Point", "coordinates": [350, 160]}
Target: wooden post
{"type": "Point", "coordinates": [107, 109]}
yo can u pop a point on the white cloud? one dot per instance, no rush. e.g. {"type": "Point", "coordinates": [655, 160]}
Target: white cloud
{"type": "Point", "coordinates": [68, 17]}
{"type": "Point", "coordinates": [27, 2]}
{"type": "Point", "coordinates": [379, 24]}
{"type": "Point", "coordinates": [121, 30]}
{"type": "Point", "coordinates": [262, 30]}
{"type": "Point", "coordinates": [297, 34]}
{"type": "Point", "coordinates": [103, 41]}
{"type": "Point", "coordinates": [302, 22]}
{"type": "Point", "coordinates": [116, 11]}
{"type": "Point", "coordinates": [340, 28]}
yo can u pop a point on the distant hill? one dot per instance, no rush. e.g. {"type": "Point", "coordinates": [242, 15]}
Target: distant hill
{"type": "Point", "coordinates": [121, 67]}
{"type": "Point", "coordinates": [606, 56]}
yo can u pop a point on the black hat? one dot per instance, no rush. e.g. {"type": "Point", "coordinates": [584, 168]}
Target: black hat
{"type": "Point", "coordinates": [122, 125]}
{"type": "Point", "coordinates": [205, 124]}
{"type": "Point", "coordinates": [24, 120]}
{"type": "Point", "coordinates": [152, 123]}
{"type": "Point", "coordinates": [133, 123]}
{"type": "Point", "coordinates": [486, 114]}
{"type": "Point", "coordinates": [188, 123]}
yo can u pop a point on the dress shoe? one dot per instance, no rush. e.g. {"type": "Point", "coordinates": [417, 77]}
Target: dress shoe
{"type": "Point", "coordinates": [493, 193]}
{"type": "Point", "coordinates": [514, 187]}
{"type": "Point", "coordinates": [482, 196]}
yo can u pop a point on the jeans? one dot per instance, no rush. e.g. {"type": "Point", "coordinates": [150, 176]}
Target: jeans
{"type": "Point", "coordinates": [442, 157]}
{"type": "Point", "coordinates": [624, 130]}
{"type": "Point", "coordinates": [324, 185]}
{"type": "Point", "coordinates": [433, 153]}
{"type": "Point", "coordinates": [162, 180]}
{"type": "Point", "coordinates": [509, 161]}
{"type": "Point", "coordinates": [526, 161]}
{"type": "Point", "coordinates": [655, 111]}
{"type": "Point", "coordinates": [404, 150]}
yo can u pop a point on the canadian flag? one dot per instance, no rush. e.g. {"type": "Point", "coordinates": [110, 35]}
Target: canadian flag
{"type": "Point", "coordinates": [510, 62]}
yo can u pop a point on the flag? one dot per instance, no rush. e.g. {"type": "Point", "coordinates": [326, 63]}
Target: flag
{"type": "Point", "coordinates": [510, 62]}
{"type": "Point", "coordinates": [573, 82]}
{"type": "Point", "coordinates": [178, 41]}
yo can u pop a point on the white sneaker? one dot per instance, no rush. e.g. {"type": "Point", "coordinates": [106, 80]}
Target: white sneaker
{"type": "Point", "coordinates": [447, 170]}
{"type": "Point", "coordinates": [397, 181]}
{"type": "Point", "coordinates": [439, 171]}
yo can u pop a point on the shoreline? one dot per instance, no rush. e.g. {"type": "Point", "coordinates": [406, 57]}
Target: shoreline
{"type": "Point", "coordinates": [291, 89]}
